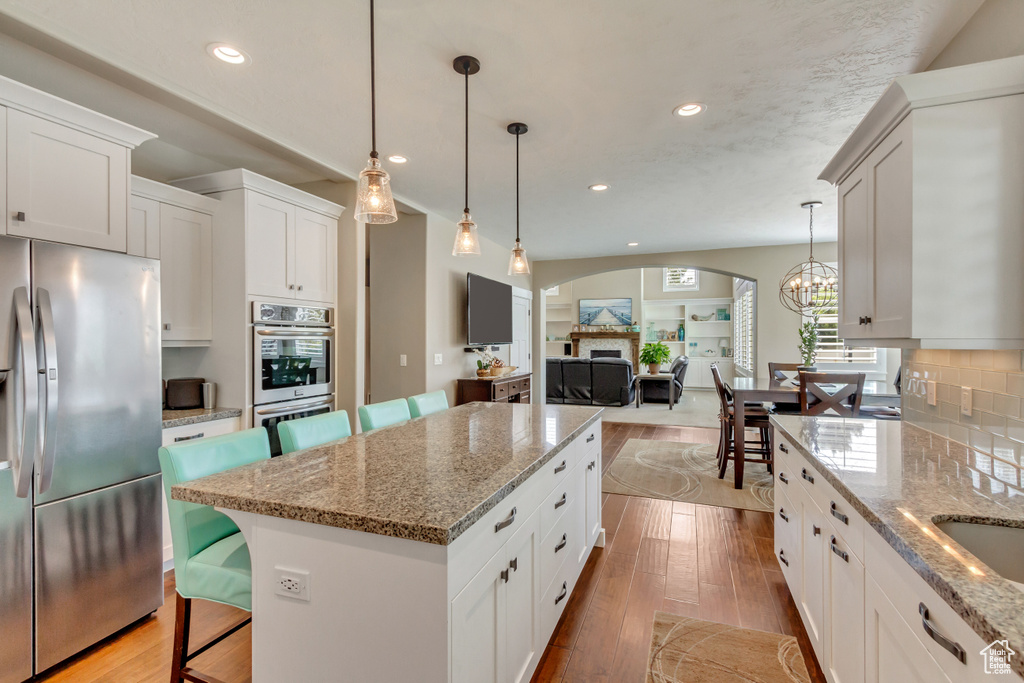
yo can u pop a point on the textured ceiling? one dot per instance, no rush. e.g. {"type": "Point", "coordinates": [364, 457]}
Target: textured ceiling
{"type": "Point", "coordinates": [785, 82]}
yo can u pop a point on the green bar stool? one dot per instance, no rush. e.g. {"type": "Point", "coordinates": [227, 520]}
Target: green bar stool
{"type": "Point", "coordinates": [307, 432]}
{"type": "Point", "coordinates": [425, 404]}
{"type": "Point", "coordinates": [384, 414]}
{"type": "Point", "coordinates": [211, 559]}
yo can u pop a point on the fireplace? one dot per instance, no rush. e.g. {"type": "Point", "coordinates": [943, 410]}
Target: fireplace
{"type": "Point", "coordinates": [596, 344]}
{"type": "Point", "coordinates": [605, 353]}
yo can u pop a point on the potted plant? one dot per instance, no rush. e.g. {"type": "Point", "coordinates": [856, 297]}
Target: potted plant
{"type": "Point", "coordinates": [808, 344]}
{"type": "Point", "coordinates": [653, 355]}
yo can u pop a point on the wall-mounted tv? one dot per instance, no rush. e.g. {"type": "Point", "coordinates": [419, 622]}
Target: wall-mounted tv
{"type": "Point", "coordinates": [489, 311]}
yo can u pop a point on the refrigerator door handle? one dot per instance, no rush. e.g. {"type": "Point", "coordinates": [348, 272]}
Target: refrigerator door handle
{"type": "Point", "coordinates": [48, 387]}
{"type": "Point", "coordinates": [24, 395]}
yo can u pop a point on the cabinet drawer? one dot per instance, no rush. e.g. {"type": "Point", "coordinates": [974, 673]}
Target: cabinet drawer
{"type": "Point", "coordinates": [785, 476]}
{"type": "Point", "coordinates": [590, 440]}
{"type": "Point", "coordinates": [847, 523]}
{"type": "Point", "coordinates": [787, 539]}
{"type": "Point", "coordinates": [524, 384]}
{"type": "Point", "coordinates": [513, 387]}
{"type": "Point", "coordinates": [558, 501]}
{"type": "Point", "coordinates": [201, 430]}
{"type": "Point", "coordinates": [557, 469]}
{"type": "Point", "coordinates": [559, 544]}
{"type": "Point", "coordinates": [524, 397]}
{"type": "Point", "coordinates": [555, 598]}
{"type": "Point", "coordinates": [499, 390]}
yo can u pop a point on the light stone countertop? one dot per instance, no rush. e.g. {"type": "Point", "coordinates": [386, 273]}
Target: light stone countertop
{"type": "Point", "coordinates": [886, 469]}
{"type": "Point", "coordinates": [427, 479]}
{"type": "Point", "coordinates": [180, 418]}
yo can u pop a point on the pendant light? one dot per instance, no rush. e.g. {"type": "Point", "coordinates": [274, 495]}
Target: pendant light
{"type": "Point", "coordinates": [517, 263]}
{"type": "Point", "coordinates": [374, 203]}
{"type": "Point", "coordinates": [466, 242]}
{"type": "Point", "coordinates": [811, 286]}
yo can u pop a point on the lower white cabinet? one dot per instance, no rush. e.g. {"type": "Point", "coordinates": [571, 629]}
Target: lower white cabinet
{"type": "Point", "coordinates": [893, 654]}
{"type": "Point", "coordinates": [698, 373]}
{"type": "Point", "coordinates": [810, 594]}
{"type": "Point", "coordinates": [844, 612]}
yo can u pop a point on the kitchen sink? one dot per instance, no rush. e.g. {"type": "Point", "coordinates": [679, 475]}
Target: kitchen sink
{"type": "Point", "coordinates": [1000, 547]}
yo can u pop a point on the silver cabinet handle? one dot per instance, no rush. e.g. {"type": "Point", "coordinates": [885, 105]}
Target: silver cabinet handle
{"type": "Point", "coordinates": [565, 592]}
{"type": "Point", "coordinates": [24, 382]}
{"type": "Point", "coordinates": [189, 438]}
{"type": "Point", "coordinates": [591, 438]}
{"type": "Point", "coordinates": [504, 575]}
{"type": "Point", "coordinates": [782, 557]}
{"type": "Point", "coordinates": [837, 514]}
{"type": "Point", "coordinates": [50, 385]}
{"type": "Point", "coordinates": [950, 646]}
{"type": "Point", "coordinates": [783, 478]}
{"type": "Point", "coordinates": [867, 320]}
{"type": "Point", "coordinates": [505, 522]}
{"type": "Point", "coordinates": [803, 473]}
{"type": "Point", "coordinates": [561, 544]}
{"type": "Point", "coordinates": [782, 447]}
{"type": "Point", "coordinates": [841, 553]}
{"type": "Point", "coordinates": [561, 501]}
{"type": "Point", "coordinates": [295, 408]}
{"type": "Point", "coordinates": [20, 216]}
{"type": "Point", "coordinates": [300, 288]}
{"type": "Point", "coordinates": [782, 513]}
{"type": "Point", "coordinates": [167, 327]}
{"type": "Point", "coordinates": [592, 464]}
{"type": "Point", "coordinates": [514, 564]}
{"type": "Point", "coordinates": [560, 467]}
{"type": "Point", "coordinates": [291, 286]}
{"type": "Point", "coordinates": [276, 332]}
{"type": "Point", "coordinates": [815, 530]}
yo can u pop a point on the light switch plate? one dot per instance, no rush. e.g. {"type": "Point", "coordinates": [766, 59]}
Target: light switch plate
{"type": "Point", "coordinates": [932, 400]}
{"type": "Point", "coordinates": [438, 359]}
{"type": "Point", "coordinates": [403, 360]}
{"type": "Point", "coordinates": [966, 400]}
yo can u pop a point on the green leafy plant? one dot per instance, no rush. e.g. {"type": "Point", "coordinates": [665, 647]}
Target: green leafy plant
{"type": "Point", "coordinates": [809, 341]}
{"type": "Point", "coordinates": [656, 354]}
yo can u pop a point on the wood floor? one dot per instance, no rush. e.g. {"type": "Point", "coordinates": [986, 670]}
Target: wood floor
{"type": "Point", "coordinates": [709, 562]}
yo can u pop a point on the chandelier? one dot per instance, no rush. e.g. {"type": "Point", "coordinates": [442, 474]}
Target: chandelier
{"type": "Point", "coordinates": [812, 285]}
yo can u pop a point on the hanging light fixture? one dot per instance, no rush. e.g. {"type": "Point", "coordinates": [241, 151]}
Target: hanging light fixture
{"type": "Point", "coordinates": [374, 203]}
{"type": "Point", "coordinates": [812, 285]}
{"type": "Point", "coordinates": [466, 242]}
{"type": "Point", "coordinates": [517, 263]}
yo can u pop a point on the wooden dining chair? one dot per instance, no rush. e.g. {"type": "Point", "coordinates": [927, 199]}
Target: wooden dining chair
{"type": "Point", "coordinates": [784, 372]}
{"type": "Point", "coordinates": [756, 417]}
{"type": "Point", "coordinates": [816, 399]}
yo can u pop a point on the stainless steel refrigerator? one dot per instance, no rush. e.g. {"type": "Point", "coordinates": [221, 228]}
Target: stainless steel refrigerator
{"type": "Point", "coordinates": [80, 528]}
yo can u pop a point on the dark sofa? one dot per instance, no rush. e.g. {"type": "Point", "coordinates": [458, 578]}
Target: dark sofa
{"type": "Point", "coordinates": [656, 391]}
{"type": "Point", "coordinates": [585, 381]}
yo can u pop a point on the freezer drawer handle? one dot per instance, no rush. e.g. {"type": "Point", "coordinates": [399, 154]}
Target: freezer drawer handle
{"type": "Point", "coordinates": [803, 473]}
{"type": "Point", "coordinates": [189, 438]}
{"type": "Point", "coordinates": [841, 553]}
{"type": "Point", "coordinates": [505, 522]}
{"type": "Point", "coordinates": [953, 648]}
{"type": "Point", "coordinates": [560, 467]}
{"type": "Point", "coordinates": [837, 514]}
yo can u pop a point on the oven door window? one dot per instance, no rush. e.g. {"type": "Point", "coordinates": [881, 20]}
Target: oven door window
{"type": "Point", "coordinates": [294, 362]}
{"type": "Point", "coordinates": [270, 423]}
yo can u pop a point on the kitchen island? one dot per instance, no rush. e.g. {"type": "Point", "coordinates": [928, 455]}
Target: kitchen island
{"type": "Point", "coordinates": [440, 549]}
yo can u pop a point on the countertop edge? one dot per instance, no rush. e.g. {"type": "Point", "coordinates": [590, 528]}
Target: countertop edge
{"type": "Point", "coordinates": [215, 414]}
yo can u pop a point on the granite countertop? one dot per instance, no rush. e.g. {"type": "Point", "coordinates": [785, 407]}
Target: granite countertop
{"type": "Point", "coordinates": [180, 418]}
{"type": "Point", "coordinates": [427, 479]}
{"type": "Point", "coordinates": [888, 470]}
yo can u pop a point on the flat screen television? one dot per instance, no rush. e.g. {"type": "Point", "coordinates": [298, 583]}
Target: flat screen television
{"type": "Point", "coordinates": [489, 311]}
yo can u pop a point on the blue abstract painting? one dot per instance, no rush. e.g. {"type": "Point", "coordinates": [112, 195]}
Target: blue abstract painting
{"type": "Point", "coordinates": [606, 311]}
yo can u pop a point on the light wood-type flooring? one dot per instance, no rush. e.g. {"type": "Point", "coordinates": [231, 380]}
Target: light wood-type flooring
{"type": "Point", "coordinates": [709, 562]}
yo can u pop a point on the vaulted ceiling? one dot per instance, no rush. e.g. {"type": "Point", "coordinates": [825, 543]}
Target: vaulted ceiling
{"type": "Point", "coordinates": [784, 81]}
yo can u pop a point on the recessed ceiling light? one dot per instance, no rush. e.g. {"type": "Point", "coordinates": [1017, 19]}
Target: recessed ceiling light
{"type": "Point", "coordinates": [397, 159]}
{"type": "Point", "coordinates": [632, 244]}
{"type": "Point", "coordinates": [600, 187]}
{"type": "Point", "coordinates": [689, 109]}
{"type": "Point", "coordinates": [227, 53]}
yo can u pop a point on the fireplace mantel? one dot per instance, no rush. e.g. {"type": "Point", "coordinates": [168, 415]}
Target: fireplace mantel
{"type": "Point", "coordinates": [632, 337]}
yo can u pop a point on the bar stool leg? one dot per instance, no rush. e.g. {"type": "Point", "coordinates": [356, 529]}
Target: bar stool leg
{"type": "Point", "coordinates": [182, 622]}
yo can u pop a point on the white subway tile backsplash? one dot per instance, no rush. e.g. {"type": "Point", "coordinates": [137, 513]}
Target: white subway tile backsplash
{"type": "Point", "coordinates": [983, 400]}
{"type": "Point", "coordinates": [1007, 361]}
{"type": "Point", "coordinates": [993, 381]}
{"type": "Point", "coordinates": [1015, 385]}
{"type": "Point", "coordinates": [1004, 404]}
{"type": "Point", "coordinates": [981, 359]}
{"type": "Point", "coordinates": [970, 377]}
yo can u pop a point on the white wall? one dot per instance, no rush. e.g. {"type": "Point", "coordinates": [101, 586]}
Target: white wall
{"type": "Point", "coordinates": [995, 31]}
{"type": "Point", "coordinates": [712, 286]}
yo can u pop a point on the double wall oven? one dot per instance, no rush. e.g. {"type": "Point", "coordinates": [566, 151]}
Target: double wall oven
{"type": "Point", "coordinates": [293, 364]}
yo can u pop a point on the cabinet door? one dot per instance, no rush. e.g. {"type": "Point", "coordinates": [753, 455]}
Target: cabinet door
{"type": "Point", "coordinates": [844, 613]}
{"type": "Point", "coordinates": [891, 187]}
{"type": "Point", "coordinates": [144, 227]}
{"type": "Point", "coordinates": [856, 265]}
{"type": "Point", "coordinates": [270, 240]}
{"type": "Point", "coordinates": [478, 626]}
{"type": "Point", "coordinates": [592, 472]}
{"type": "Point", "coordinates": [185, 273]}
{"type": "Point", "coordinates": [522, 602]}
{"type": "Point", "coordinates": [71, 186]}
{"type": "Point", "coordinates": [315, 256]}
{"type": "Point", "coordinates": [893, 654]}
{"type": "Point", "coordinates": [811, 596]}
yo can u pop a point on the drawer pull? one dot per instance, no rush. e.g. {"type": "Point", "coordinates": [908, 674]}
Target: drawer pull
{"type": "Point", "coordinates": [782, 513]}
{"type": "Point", "coordinates": [504, 575]}
{"type": "Point", "coordinates": [561, 501]}
{"type": "Point", "coordinates": [803, 473]}
{"type": "Point", "coordinates": [837, 514]}
{"type": "Point", "coordinates": [815, 530]}
{"type": "Point", "coordinates": [782, 557]}
{"type": "Point", "coordinates": [20, 216]}
{"type": "Point", "coordinates": [565, 592]}
{"type": "Point", "coordinates": [560, 468]}
{"type": "Point", "coordinates": [783, 478]}
{"type": "Point", "coordinates": [592, 464]}
{"type": "Point", "coordinates": [591, 438]}
{"type": "Point", "coordinates": [841, 553]}
{"type": "Point", "coordinates": [782, 447]}
{"type": "Point", "coordinates": [953, 648]}
{"type": "Point", "coordinates": [562, 544]}
{"type": "Point", "coordinates": [505, 522]}
{"type": "Point", "coordinates": [514, 564]}
{"type": "Point", "coordinates": [189, 438]}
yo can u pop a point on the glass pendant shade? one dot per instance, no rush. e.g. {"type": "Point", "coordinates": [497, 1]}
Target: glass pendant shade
{"type": "Point", "coordinates": [374, 203]}
{"type": "Point", "coordinates": [517, 263]}
{"type": "Point", "coordinates": [466, 242]}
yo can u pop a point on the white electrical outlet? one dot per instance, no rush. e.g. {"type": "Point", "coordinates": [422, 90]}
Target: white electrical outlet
{"type": "Point", "coordinates": [438, 359]}
{"type": "Point", "coordinates": [932, 400]}
{"type": "Point", "coordinates": [965, 401]}
{"type": "Point", "coordinates": [292, 583]}
{"type": "Point", "coordinates": [403, 360]}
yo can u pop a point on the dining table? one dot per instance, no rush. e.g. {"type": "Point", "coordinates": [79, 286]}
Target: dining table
{"type": "Point", "coordinates": [767, 389]}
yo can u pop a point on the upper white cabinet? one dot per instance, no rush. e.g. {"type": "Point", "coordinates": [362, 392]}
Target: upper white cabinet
{"type": "Point", "coordinates": [931, 217]}
{"type": "Point", "coordinates": [67, 170]}
{"type": "Point", "coordinates": [176, 227]}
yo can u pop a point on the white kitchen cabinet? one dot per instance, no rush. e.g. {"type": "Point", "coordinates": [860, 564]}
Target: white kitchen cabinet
{"type": "Point", "coordinates": [315, 255]}
{"type": "Point", "coordinates": [522, 602]}
{"type": "Point", "coordinates": [811, 593]}
{"type": "Point", "coordinates": [591, 463]}
{"type": "Point", "coordinates": [270, 237]}
{"type": "Point", "coordinates": [893, 654]}
{"type": "Point", "coordinates": [930, 218]}
{"type": "Point", "coordinates": [144, 227]}
{"type": "Point", "coordinates": [698, 373]}
{"type": "Point", "coordinates": [844, 611]}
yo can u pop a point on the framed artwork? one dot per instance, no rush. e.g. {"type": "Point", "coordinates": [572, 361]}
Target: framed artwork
{"type": "Point", "coordinates": [606, 312]}
{"type": "Point", "coordinates": [673, 335]}
{"type": "Point", "coordinates": [575, 328]}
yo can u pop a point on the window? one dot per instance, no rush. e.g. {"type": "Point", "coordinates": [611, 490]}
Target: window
{"type": "Point", "coordinates": [743, 326]}
{"type": "Point", "coordinates": [681, 280]}
{"type": "Point", "coordinates": [833, 351]}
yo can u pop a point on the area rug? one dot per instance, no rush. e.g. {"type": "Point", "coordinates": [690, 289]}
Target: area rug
{"type": "Point", "coordinates": [688, 650]}
{"type": "Point", "coordinates": [686, 472]}
{"type": "Point", "coordinates": [695, 408]}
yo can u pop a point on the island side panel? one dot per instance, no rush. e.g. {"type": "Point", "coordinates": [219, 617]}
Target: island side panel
{"type": "Point", "coordinates": [378, 608]}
